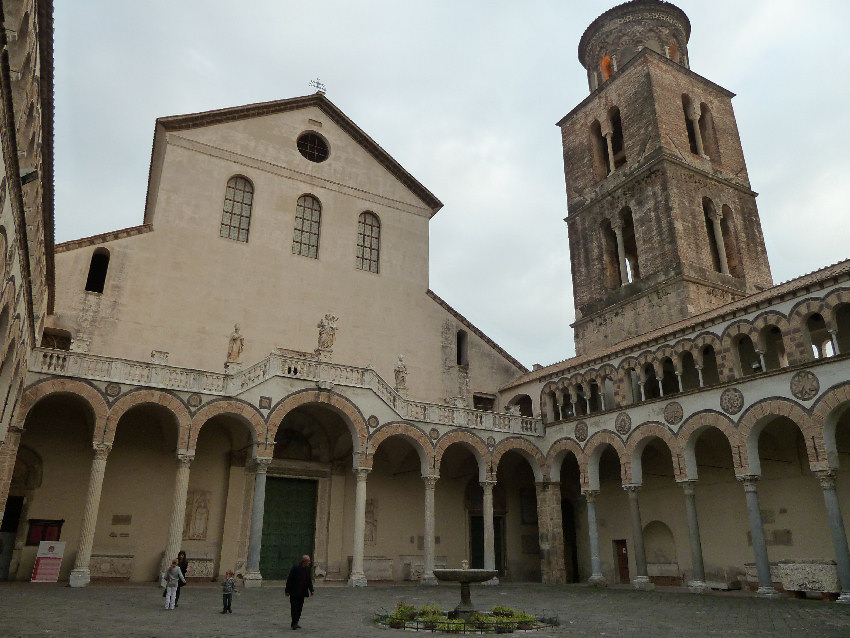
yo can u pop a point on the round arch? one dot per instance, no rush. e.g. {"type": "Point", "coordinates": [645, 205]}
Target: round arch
{"type": "Point", "coordinates": [639, 438]}
{"type": "Point", "coordinates": [759, 415]}
{"type": "Point", "coordinates": [825, 414]}
{"type": "Point", "coordinates": [593, 452]}
{"type": "Point", "coordinates": [526, 449]}
{"type": "Point", "coordinates": [149, 396]}
{"type": "Point", "coordinates": [470, 441]}
{"type": "Point", "coordinates": [409, 432]}
{"type": "Point", "coordinates": [698, 423]}
{"type": "Point", "coordinates": [89, 394]}
{"type": "Point", "coordinates": [242, 411]}
{"type": "Point", "coordinates": [556, 455]}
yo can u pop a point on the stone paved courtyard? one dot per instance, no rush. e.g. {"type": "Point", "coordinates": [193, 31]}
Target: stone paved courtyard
{"type": "Point", "coordinates": [28, 609]}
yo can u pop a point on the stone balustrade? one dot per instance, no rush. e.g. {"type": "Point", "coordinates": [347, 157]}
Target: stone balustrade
{"type": "Point", "coordinates": [325, 374]}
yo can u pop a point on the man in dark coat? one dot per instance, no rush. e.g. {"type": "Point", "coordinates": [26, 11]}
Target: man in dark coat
{"type": "Point", "coordinates": [299, 585]}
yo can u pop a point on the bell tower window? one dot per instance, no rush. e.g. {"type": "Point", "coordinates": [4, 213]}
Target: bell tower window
{"type": "Point", "coordinates": [618, 149]}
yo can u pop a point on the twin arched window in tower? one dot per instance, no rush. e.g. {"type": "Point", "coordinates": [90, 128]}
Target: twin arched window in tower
{"type": "Point", "coordinates": [702, 137]}
{"type": "Point", "coordinates": [236, 224]}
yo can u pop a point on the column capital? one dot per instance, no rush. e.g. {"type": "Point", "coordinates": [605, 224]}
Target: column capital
{"type": "Point", "coordinates": [617, 223]}
{"type": "Point", "coordinates": [431, 481]}
{"type": "Point", "coordinates": [632, 489]}
{"type": "Point", "coordinates": [826, 478]}
{"type": "Point", "coordinates": [590, 495]}
{"type": "Point", "coordinates": [261, 464]}
{"type": "Point", "coordinates": [715, 215]}
{"type": "Point", "coordinates": [688, 486]}
{"type": "Point", "coordinates": [361, 473]}
{"type": "Point", "coordinates": [101, 450]}
{"type": "Point", "coordinates": [184, 459]}
{"type": "Point", "coordinates": [749, 481]}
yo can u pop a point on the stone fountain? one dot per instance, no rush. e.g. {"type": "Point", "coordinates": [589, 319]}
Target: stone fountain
{"type": "Point", "coordinates": [465, 576]}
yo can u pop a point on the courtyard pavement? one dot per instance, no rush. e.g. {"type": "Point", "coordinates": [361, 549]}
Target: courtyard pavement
{"type": "Point", "coordinates": [29, 609]}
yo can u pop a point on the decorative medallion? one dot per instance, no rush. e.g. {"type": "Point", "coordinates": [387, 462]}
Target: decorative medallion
{"type": "Point", "coordinates": [113, 390]}
{"type": "Point", "coordinates": [194, 400]}
{"type": "Point", "coordinates": [805, 385]}
{"type": "Point", "coordinates": [265, 403]}
{"type": "Point", "coordinates": [673, 412]}
{"type": "Point", "coordinates": [491, 442]}
{"type": "Point", "coordinates": [434, 433]}
{"type": "Point", "coordinates": [372, 421]}
{"type": "Point", "coordinates": [623, 423]}
{"type": "Point", "coordinates": [732, 400]}
{"type": "Point", "coordinates": [581, 431]}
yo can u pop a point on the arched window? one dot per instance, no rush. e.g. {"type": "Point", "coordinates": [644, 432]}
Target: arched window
{"type": "Point", "coordinates": [462, 348]}
{"type": "Point", "coordinates": [308, 217]}
{"type": "Point", "coordinates": [618, 146]}
{"type": "Point", "coordinates": [97, 270]}
{"type": "Point", "coordinates": [708, 134]}
{"type": "Point", "coordinates": [599, 151]}
{"type": "Point", "coordinates": [630, 246]}
{"type": "Point", "coordinates": [709, 214]}
{"type": "Point", "coordinates": [368, 241]}
{"type": "Point", "coordinates": [651, 390]}
{"type": "Point", "coordinates": [710, 371]}
{"type": "Point", "coordinates": [690, 116]}
{"type": "Point", "coordinates": [236, 217]}
{"type": "Point", "coordinates": [730, 245]}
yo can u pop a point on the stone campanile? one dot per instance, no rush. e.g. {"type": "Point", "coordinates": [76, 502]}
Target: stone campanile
{"type": "Point", "coordinates": [662, 221]}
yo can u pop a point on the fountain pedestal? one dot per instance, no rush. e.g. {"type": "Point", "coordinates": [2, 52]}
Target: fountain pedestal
{"type": "Point", "coordinates": [465, 576]}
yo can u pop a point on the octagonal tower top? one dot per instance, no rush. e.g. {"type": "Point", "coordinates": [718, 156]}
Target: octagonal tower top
{"type": "Point", "coordinates": [620, 33]}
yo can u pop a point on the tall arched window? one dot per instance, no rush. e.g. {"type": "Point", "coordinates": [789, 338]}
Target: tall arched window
{"type": "Point", "coordinates": [368, 241]}
{"type": "Point", "coordinates": [308, 218]}
{"type": "Point", "coordinates": [238, 200]}
{"type": "Point", "coordinates": [97, 270]}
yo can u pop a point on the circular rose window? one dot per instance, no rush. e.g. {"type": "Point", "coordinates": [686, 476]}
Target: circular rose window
{"type": "Point", "coordinates": [313, 147]}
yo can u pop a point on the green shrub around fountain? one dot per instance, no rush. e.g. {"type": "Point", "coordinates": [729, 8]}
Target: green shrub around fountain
{"type": "Point", "coordinates": [501, 620]}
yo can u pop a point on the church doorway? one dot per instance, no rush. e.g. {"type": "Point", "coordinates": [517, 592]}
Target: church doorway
{"type": "Point", "coordinates": [289, 525]}
{"type": "Point", "coordinates": [476, 542]}
{"type": "Point", "coordinates": [621, 555]}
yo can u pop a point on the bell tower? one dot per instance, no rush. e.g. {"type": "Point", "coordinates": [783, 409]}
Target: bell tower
{"type": "Point", "coordinates": [662, 221]}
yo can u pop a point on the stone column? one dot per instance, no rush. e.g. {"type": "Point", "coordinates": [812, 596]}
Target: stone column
{"type": "Point", "coordinates": [178, 509]}
{"type": "Point", "coordinates": [699, 374]}
{"type": "Point", "coordinates": [642, 580]}
{"type": "Point", "coordinates": [761, 360]}
{"type": "Point", "coordinates": [765, 589]}
{"type": "Point", "coordinates": [559, 401]}
{"type": "Point", "coordinates": [596, 577]}
{"type": "Point", "coordinates": [833, 337]}
{"type": "Point", "coordinates": [679, 381]}
{"type": "Point", "coordinates": [358, 576]}
{"type": "Point", "coordinates": [602, 397]}
{"type": "Point", "coordinates": [617, 225]}
{"type": "Point", "coordinates": [836, 531]}
{"type": "Point", "coordinates": [80, 575]}
{"type": "Point", "coordinates": [661, 387]}
{"type": "Point", "coordinates": [428, 577]}
{"type": "Point", "coordinates": [253, 577]}
{"type": "Point", "coordinates": [642, 390]}
{"type": "Point", "coordinates": [550, 532]}
{"type": "Point", "coordinates": [489, 535]}
{"type": "Point", "coordinates": [718, 240]}
{"type": "Point", "coordinates": [697, 583]}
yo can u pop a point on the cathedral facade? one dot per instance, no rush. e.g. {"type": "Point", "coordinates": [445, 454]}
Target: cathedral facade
{"type": "Point", "coordinates": [259, 369]}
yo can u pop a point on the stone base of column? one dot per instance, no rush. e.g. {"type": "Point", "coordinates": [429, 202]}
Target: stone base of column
{"type": "Point", "coordinates": [357, 580]}
{"type": "Point", "coordinates": [643, 583]}
{"type": "Point", "coordinates": [698, 587]}
{"type": "Point", "coordinates": [80, 577]}
{"type": "Point", "coordinates": [767, 592]}
{"type": "Point", "coordinates": [253, 579]}
{"type": "Point", "coordinates": [493, 581]}
{"type": "Point", "coordinates": [597, 580]}
{"type": "Point", "coordinates": [844, 597]}
{"type": "Point", "coordinates": [428, 579]}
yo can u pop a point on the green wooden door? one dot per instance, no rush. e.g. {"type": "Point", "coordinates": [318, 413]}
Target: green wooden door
{"type": "Point", "coordinates": [289, 525]}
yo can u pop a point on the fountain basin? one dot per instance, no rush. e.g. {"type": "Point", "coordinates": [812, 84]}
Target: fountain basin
{"type": "Point", "coordinates": [465, 576]}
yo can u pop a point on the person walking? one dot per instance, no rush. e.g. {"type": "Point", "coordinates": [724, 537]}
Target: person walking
{"type": "Point", "coordinates": [228, 586]}
{"type": "Point", "coordinates": [299, 585]}
{"type": "Point", "coordinates": [173, 576]}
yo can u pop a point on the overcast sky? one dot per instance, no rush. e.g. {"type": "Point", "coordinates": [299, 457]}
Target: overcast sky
{"type": "Point", "coordinates": [465, 95]}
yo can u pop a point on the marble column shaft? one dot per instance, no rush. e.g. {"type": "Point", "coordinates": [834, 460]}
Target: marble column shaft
{"type": "Point", "coordinates": [593, 535]}
{"type": "Point", "coordinates": [836, 530]}
{"type": "Point", "coordinates": [428, 577]}
{"type": "Point", "coordinates": [80, 575]}
{"type": "Point", "coordinates": [721, 245]}
{"type": "Point", "coordinates": [621, 253]}
{"type": "Point", "coordinates": [697, 563]}
{"type": "Point", "coordinates": [637, 534]}
{"type": "Point", "coordinates": [358, 576]}
{"type": "Point", "coordinates": [258, 505]}
{"type": "Point", "coordinates": [550, 531]}
{"type": "Point", "coordinates": [489, 535]}
{"type": "Point", "coordinates": [757, 534]}
{"type": "Point", "coordinates": [178, 509]}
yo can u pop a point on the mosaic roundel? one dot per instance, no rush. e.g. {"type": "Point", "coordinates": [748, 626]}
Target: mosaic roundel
{"type": "Point", "coordinates": [194, 400]}
{"type": "Point", "coordinates": [434, 434]}
{"type": "Point", "coordinates": [113, 390]}
{"type": "Point", "coordinates": [673, 412]}
{"type": "Point", "coordinates": [581, 431]}
{"type": "Point", "coordinates": [491, 442]}
{"type": "Point", "coordinates": [623, 423]}
{"type": "Point", "coordinates": [372, 421]}
{"type": "Point", "coordinates": [805, 385]}
{"type": "Point", "coordinates": [732, 400]}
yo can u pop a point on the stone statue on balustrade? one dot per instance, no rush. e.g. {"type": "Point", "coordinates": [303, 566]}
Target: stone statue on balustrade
{"type": "Point", "coordinates": [234, 350]}
{"type": "Point", "coordinates": [401, 376]}
{"type": "Point", "coordinates": [327, 334]}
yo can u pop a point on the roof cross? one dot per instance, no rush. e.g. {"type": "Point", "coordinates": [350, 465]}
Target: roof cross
{"type": "Point", "coordinates": [317, 84]}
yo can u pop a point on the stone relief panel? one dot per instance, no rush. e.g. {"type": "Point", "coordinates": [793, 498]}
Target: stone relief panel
{"type": "Point", "coordinates": [111, 566]}
{"type": "Point", "coordinates": [673, 412]}
{"type": "Point", "coordinates": [623, 423]}
{"type": "Point", "coordinates": [805, 385]}
{"type": "Point", "coordinates": [732, 401]}
{"type": "Point", "coordinates": [371, 535]}
{"type": "Point", "coordinates": [581, 431]}
{"type": "Point", "coordinates": [197, 515]}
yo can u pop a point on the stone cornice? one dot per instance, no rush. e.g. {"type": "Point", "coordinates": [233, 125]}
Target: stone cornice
{"type": "Point", "coordinates": [103, 238]}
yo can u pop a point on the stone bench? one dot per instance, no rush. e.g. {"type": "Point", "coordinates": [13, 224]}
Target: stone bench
{"type": "Point", "coordinates": [802, 576]}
